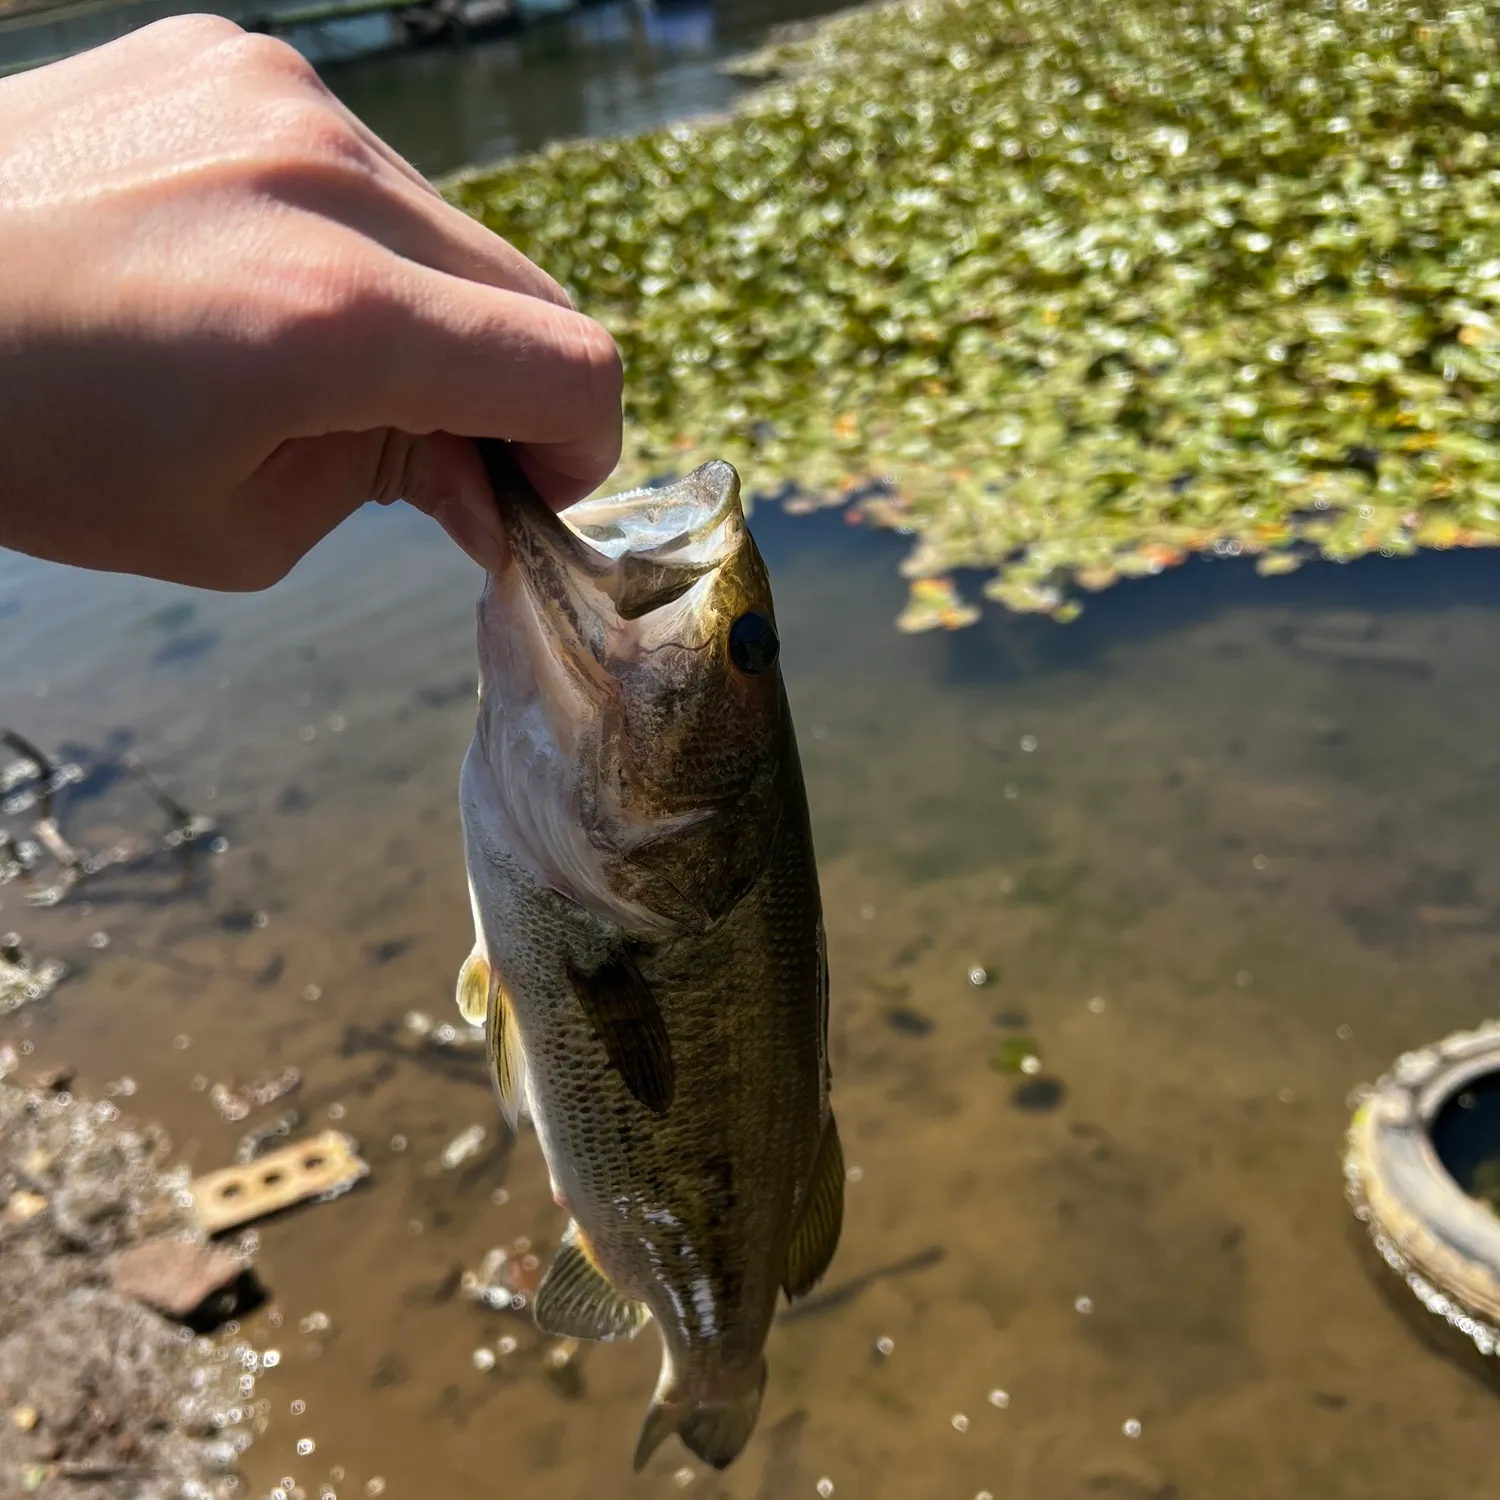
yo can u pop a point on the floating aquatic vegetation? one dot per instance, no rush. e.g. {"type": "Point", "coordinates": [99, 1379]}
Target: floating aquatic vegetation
{"type": "Point", "coordinates": [1086, 286]}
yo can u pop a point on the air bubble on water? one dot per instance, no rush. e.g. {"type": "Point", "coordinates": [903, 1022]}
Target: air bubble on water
{"type": "Point", "coordinates": [182, 1041]}
{"type": "Point", "coordinates": [683, 1478]}
{"type": "Point", "coordinates": [375, 1486]}
{"type": "Point", "coordinates": [220, 845]}
{"type": "Point", "coordinates": [484, 1359]}
{"type": "Point", "coordinates": [98, 940]}
{"type": "Point", "coordinates": [261, 918]}
{"type": "Point", "coordinates": [307, 734]}
{"type": "Point", "coordinates": [1344, 1031]}
{"type": "Point", "coordinates": [960, 1422]}
{"type": "Point", "coordinates": [867, 912]}
{"type": "Point", "coordinates": [999, 1398]}
{"type": "Point", "coordinates": [885, 1346]}
{"type": "Point", "coordinates": [273, 1315]}
{"type": "Point", "coordinates": [506, 1344]}
{"type": "Point", "coordinates": [1028, 743]}
{"type": "Point", "coordinates": [336, 1473]}
{"type": "Point", "coordinates": [414, 1226]}
{"type": "Point", "coordinates": [854, 1174]}
{"type": "Point", "coordinates": [298, 1407]}
{"type": "Point", "coordinates": [328, 1493]}
{"type": "Point", "coordinates": [270, 1359]}
{"type": "Point", "coordinates": [288, 1482]}
{"type": "Point", "coordinates": [1030, 1064]}
{"type": "Point", "coordinates": [1097, 1005]}
{"type": "Point", "coordinates": [500, 1197]}
{"type": "Point", "coordinates": [1084, 1305]}
{"type": "Point", "coordinates": [335, 1111]}
{"type": "Point", "coordinates": [1285, 1095]}
{"type": "Point", "coordinates": [337, 723]}
{"type": "Point", "coordinates": [984, 1495]}
{"type": "Point", "coordinates": [825, 1487]}
{"type": "Point", "coordinates": [305, 1446]}
{"type": "Point", "coordinates": [247, 1385]}
{"type": "Point", "coordinates": [978, 977]}
{"type": "Point", "coordinates": [278, 1493]}
{"type": "Point", "coordinates": [522, 1244]}
{"type": "Point", "coordinates": [1260, 862]}
{"type": "Point", "coordinates": [398, 1143]}
{"type": "Point", "coordinates": [312, 992]}
{"type": "Point", "coordinates": [1131, 1428]}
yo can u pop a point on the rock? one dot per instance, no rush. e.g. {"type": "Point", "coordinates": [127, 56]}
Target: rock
{"type": "Point", "coordinates": [24, 1205]}
{"type": "Point", "coordinates": [175, 1276]}
{"type": "Point", "coordinates": [53, 1080]}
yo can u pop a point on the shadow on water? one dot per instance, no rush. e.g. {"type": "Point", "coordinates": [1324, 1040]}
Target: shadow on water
{"type": "Point", "coordinates": [1217, 852]}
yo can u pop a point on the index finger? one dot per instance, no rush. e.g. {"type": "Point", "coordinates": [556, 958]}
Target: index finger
{"type": "Point", "coordinates": [423, 351]}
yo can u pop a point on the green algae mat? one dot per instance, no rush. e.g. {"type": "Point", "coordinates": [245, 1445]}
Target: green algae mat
{"type": "Point", "coordinates": [1067, 291]}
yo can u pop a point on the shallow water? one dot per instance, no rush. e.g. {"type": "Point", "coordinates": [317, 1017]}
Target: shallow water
{"type": "Point", "coordinates": [1249, 857]}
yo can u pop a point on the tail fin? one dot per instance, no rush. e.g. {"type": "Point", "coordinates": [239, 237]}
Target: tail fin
{"type": "Point", "coordinates": [714, 1430]}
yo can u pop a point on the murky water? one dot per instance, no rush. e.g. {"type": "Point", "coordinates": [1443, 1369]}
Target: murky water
{"type": "Point", "coordinates": [1224, 848]}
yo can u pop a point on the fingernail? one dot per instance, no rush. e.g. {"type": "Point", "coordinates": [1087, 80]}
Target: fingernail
{"type": "Point", "coordinates": [473, 522]}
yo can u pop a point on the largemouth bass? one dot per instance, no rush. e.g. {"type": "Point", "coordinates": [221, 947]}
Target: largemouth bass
{"type": "Point", "coordinates": [649, 954]}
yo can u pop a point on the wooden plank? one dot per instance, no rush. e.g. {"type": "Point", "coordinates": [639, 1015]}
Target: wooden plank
{"type": "Point", "coordinates": [322, 1164]}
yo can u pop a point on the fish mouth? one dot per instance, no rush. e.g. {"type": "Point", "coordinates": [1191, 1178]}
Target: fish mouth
{"type": "Point", "coordinates": [638, 551]}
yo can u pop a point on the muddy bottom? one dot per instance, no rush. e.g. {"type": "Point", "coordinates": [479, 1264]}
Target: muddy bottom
{"type": "Point", "coordinates": [1221, 850]}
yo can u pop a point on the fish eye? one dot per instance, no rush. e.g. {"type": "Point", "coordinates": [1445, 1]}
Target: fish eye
{"type": "Point", "coordinates": [753, 646]}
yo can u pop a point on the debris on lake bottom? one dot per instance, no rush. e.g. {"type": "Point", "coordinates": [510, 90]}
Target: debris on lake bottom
{"type": "Point", "coordinates": [103, 1394]}
{"type": "Point", "coordinates": [323, 1166]}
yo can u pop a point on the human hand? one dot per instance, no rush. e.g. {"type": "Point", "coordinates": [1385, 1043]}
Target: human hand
{"type": "Point", "coordinates": [230, 314]}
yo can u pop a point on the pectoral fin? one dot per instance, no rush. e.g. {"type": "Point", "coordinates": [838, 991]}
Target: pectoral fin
{"type": "Point", "coordinates": [507, 1058]}
{"type": "Point", "coordinates": [576, 1301]}
{"type": "Point", "coordinates": [816, 1235]}
{"type": "Point", "coordinates": [482, 1000]}
{"type": "Point", "coordinates": [627, 1019]}
{"type": "Point", "coordinates": [474, 981]}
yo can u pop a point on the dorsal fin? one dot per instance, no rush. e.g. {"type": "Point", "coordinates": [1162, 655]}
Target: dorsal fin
{"type": "Point", "coordinates": [816, 1235]}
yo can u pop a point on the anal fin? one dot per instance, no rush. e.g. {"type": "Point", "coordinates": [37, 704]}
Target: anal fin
{"type": "Point", "coordinates": [576, 1301]}
{"type": "Point", "coordinates": [816, 1234]}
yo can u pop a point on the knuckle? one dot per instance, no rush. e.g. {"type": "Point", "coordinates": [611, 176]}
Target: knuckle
{"type": "Point", "coordinates": [254, 52]}
{"type": "Point", "coordinates": [302, 139]}
{"type": "Point", "coordinates": [190, 32]}
{"type": "Point", "coordinates": [597, 358]}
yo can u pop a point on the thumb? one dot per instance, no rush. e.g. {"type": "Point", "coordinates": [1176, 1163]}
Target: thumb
{"type": "Point", "coordinates": [310, 485]}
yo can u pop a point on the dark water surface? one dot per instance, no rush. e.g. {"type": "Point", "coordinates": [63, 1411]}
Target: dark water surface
{"type": "Point", "coordinates": [1224, 847]}
{"type": "Point", "coordinates": [612, 69]}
